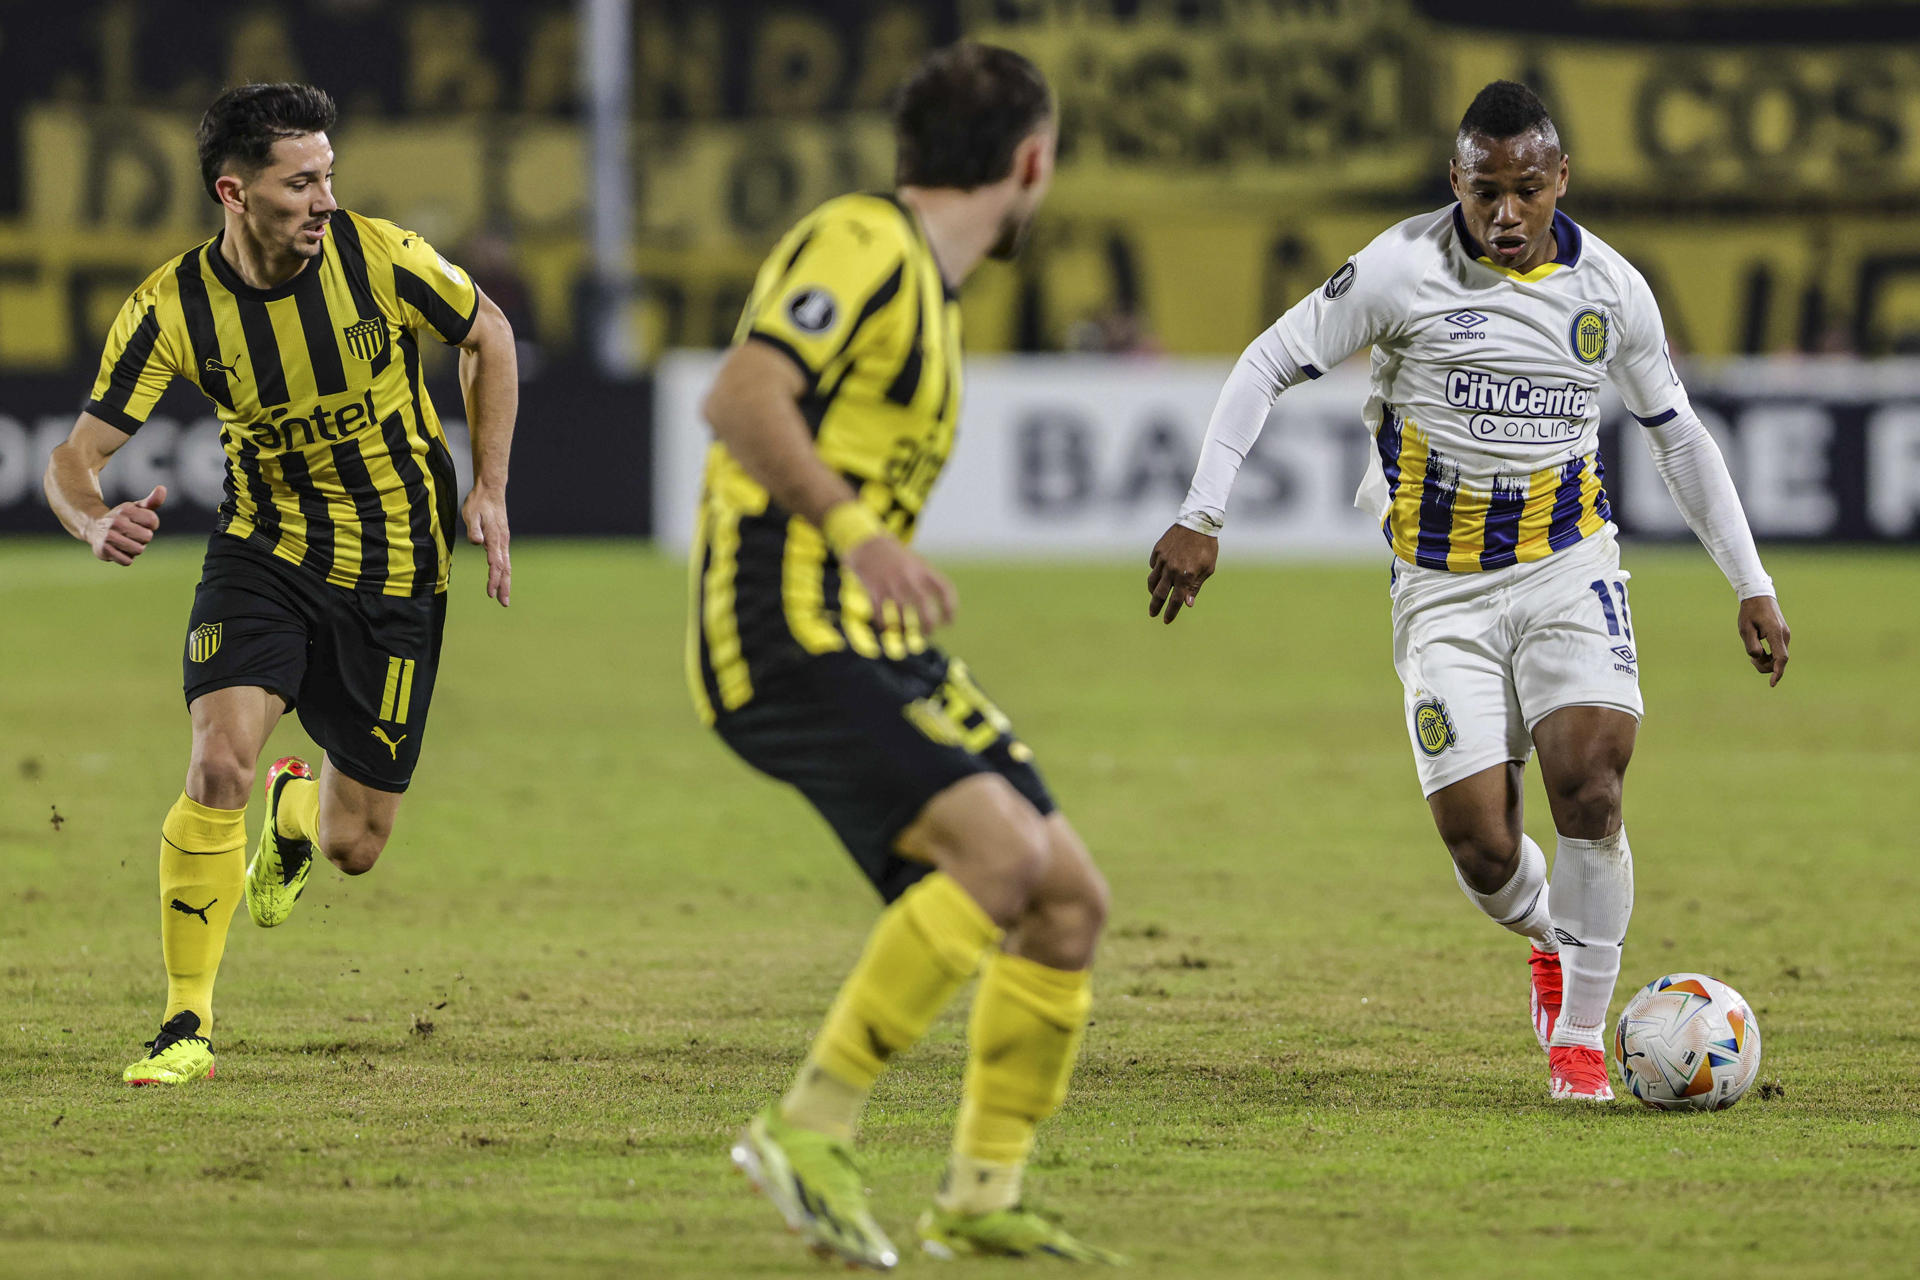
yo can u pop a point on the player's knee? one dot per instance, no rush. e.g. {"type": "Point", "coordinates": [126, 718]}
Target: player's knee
{"type": "Point", "coordinates": [1025, 854]}
{"type": "Point", "coordinates": [1588, 807]}
{"type": "Point", "coordinates": [1486, 859]}
{"type": "Point", "coordinates": [356, 849]}
{"type": "Point", "coordinates": [356, 856]}
{"type": "Point", "coordinates": [220, 775]}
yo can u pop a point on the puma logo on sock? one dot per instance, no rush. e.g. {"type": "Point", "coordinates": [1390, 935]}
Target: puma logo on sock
{"type": "Point", "coordinates": [186, 910]}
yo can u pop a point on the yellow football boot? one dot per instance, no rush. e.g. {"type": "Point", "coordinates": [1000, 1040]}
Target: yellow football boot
{"type": "Point", "coordinates": [277, 876]}
{"type": "Point", "coordinates": [1018, 1232]}
{"type": "Point", "coordinates": [178, 1055]}
{"type": "Point", "coordinates": [812, 1180]}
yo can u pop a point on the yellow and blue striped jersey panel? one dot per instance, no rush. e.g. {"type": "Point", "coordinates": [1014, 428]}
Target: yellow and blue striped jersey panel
{"type": "Point", "coordinates": [1437, 521]}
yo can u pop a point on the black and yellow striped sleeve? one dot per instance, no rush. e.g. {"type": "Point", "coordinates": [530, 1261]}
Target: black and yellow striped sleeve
{"type": "Point", "coordinates": [431, 292]}
{"type": "Point", "coordinates": [137, 365]}
{"type": "Point", "coordinates": [831, 292]}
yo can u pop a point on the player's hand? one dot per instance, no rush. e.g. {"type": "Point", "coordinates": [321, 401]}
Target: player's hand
{"type": "Point", "coordinates": [486, 515]}
{"type": "Point", "coordinates": [894, 576]}
{"type": "Point", "coordinates": [124, 532]}
{"type": "Point", "coordinates": [1181, 563]}
{"type": "Point", "coordinates": [1765, 633]}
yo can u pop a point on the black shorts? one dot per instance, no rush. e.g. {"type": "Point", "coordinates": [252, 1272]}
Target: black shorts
{"type": "Point", "coordinates": [359, 665]}
{"type": "Point", "coordinates": [870, 741]}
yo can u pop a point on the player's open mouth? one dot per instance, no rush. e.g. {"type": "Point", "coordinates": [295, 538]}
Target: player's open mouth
{"type": "Point", "coordinates": [317, 230]}
{"type": "Point", "coordinates": [1509, 246]}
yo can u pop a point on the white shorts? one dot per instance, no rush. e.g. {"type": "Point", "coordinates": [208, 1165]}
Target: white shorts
{"type": "Point", "coordinates": [1486, 656]}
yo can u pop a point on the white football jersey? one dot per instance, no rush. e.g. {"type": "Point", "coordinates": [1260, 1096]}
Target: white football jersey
{"type": "Point", "coordinates": [1485, 407]}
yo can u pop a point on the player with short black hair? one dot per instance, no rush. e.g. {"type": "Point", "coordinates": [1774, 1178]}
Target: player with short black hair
{"type": "Point", "coordinates": [325, 583]}
{"type": "Point", "coordinates": [1493, 323]}
{"type": "Point", "coordinates": [809, 653]}
{"type": "Point", "coordinates": [1506, 109]}
{"type": "Point", "coordinates": [237, 134]}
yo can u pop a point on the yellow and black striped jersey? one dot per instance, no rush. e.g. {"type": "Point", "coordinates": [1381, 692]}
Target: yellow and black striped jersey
{"type": "Point", "coordinates": [335, 457]}
{"type": "Point", "coordinates": [854, 297]}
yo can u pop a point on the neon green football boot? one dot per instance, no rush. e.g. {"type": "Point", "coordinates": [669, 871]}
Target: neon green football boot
{"type": "Point", "coordinates": [814, 1183]}
{"type": "Point", "coordinates": [178, 1055]}
{"type": "Point", "coordinates": [1018, 1232]}
{"type": "Point", "coordinates": [277, 876]}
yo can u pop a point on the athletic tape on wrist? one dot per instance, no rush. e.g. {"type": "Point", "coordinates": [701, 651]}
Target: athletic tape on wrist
{"type": "Point", "coordinates": [848, 524]}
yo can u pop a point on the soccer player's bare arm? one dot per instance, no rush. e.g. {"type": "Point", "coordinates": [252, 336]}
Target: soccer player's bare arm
{"type": "Point", "coordinates": [754, 409]}
{"type": "Point", "coordinates": [116, 534]}
{"type": "Point", "coordinates": [490, 384]}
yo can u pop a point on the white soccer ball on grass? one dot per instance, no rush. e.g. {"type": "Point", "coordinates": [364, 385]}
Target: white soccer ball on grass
{"type": "Point", "coordinates": [1687, 1042]}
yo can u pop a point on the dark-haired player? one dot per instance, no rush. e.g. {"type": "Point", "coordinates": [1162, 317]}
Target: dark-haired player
{"type": "Point", "coordinates": [324, 587]}
{"type": "Point", "coordinates": [1492, 323]}
{"type": "Point", "coordinates": [808, 653]}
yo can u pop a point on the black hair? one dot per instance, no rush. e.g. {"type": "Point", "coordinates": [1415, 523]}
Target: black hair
{"type": "Point", "coordinates": [244, 122]}
{"type": "Point", "coordinates": [962, 113]}
{"type": "Point", "coordinates": [1507, 109]}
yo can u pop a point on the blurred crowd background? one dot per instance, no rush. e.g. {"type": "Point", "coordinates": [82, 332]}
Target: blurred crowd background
{"type": "Point", "coordinates": [1760, 162]}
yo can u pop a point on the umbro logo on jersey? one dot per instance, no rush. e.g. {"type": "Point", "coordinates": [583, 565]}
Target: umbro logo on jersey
{"type": "Point", "coordinates": [214, 366]}
{"type": "Point", "coordinates": [812, 310]}
{"type": "Point", "coordinates": [1466, 325]}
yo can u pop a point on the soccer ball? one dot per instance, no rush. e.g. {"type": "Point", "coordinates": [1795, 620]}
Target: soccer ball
{"type": "Point", "coordinates": [1687, 1042]}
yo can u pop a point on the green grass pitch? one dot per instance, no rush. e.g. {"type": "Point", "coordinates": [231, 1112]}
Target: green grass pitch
{"type": "Point", "coordinates": [521, 1045]}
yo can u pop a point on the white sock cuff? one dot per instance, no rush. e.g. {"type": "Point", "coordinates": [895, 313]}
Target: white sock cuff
{"type": "Point", "coordinates": [1612, 845]}
{"type": "Point", "coordinates": [1512, 901]}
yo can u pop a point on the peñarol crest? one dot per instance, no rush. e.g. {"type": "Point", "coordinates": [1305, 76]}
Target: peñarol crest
{"type": "Point", "coordinates": [203, 641]}
{"type": "Point", "coordinates": [367, 339]}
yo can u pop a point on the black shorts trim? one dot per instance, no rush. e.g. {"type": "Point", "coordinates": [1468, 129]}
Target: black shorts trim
{"type": "Point", "coordinates": [869, 742]}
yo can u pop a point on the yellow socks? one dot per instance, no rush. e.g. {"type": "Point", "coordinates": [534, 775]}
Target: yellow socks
{"type": "Point", "coordinates": [926, 945]}
{"type": "Point", "coordinates": [1024, 1036]}
{"type": "Point", "coordinates": [298, 817]}
{"type": "Point", "coordinates": [203, 863]}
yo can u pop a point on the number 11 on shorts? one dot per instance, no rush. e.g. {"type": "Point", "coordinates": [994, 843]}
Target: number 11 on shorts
{"type": "Point", "coordinates": [1620, 623]}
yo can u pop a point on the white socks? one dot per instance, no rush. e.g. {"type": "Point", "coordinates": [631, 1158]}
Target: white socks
{"type": "Point", "coordinates": [1592, 900]}
{"type": "Point", "coordinates": [1521, 903]}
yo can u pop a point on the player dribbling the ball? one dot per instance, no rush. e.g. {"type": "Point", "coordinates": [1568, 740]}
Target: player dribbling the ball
{"type": "Point", "coordinates": [1492, 323]}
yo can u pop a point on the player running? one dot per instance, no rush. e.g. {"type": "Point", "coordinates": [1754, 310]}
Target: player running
{"type": "Point", "coordinates": [325, 584]}
{"type": "Point", "coordinates": [807, 651]}
{"type": "Point", "coordinates": [1492, 323]}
